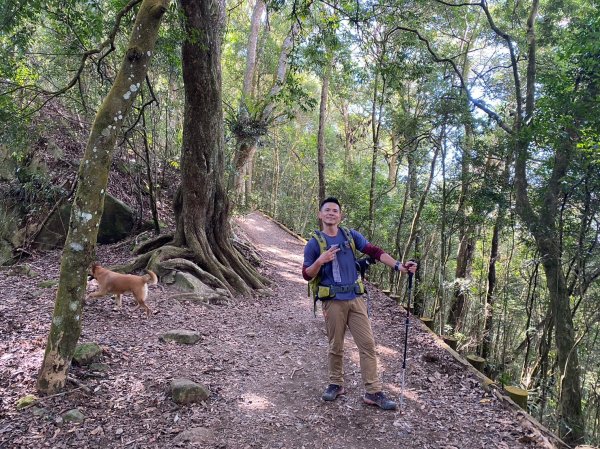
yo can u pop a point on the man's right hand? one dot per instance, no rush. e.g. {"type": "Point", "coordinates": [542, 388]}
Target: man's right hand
{"type": "Point", "coordinates": [328, 255]}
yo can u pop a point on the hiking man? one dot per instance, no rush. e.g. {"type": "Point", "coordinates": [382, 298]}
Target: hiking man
{"type": "Point", "coordinates": [338, 292]}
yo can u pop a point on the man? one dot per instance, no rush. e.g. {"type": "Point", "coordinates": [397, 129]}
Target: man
{"type": "Point", "coordinates": [342, 308]}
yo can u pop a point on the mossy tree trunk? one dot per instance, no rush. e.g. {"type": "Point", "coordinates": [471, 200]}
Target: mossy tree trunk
{"type": "Point", "coordinates": [202, 209]}
{"type": "Point", "coordinates": [89, 199]}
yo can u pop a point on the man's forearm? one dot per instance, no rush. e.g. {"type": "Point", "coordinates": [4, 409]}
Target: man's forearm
{"type": "Point", "coordinates": [388, 260]}
{"type": "Point", "coordinates": [309, 273]}
{"type": "Point", "coordinates": [401, 266]}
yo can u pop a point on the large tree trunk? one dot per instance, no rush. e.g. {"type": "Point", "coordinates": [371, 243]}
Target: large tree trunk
{"type": "Point", "coordinates": [466, 247]}
{"type": "Point", "coordinates": [571, 416]}
{"type": "Point", "coordinates": [466, 243]}
{"type": "Point", "coordinates": [203, 220]}
{"type": "Point", "coordinates": [89, 198]}
{"type": "Point", "coordinates": [543, 227]}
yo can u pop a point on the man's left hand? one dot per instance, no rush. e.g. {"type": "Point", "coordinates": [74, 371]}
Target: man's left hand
{"type": "Point", "coordinates": [411, 266]}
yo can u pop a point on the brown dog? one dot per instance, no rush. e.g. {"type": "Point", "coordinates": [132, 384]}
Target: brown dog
{"type": "Point", "coordinates": [112, 283]}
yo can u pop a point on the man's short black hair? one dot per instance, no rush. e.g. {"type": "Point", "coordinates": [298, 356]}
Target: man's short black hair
{"type": "Point", "coordinates": [330, 199]}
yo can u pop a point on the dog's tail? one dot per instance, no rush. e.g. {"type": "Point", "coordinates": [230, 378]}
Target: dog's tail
{"type": "Point", "coordinates": [150, 278]}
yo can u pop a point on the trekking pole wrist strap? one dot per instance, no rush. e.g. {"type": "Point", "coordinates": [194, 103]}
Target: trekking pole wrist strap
{"type": "Point", "coordinates": [397, 265]}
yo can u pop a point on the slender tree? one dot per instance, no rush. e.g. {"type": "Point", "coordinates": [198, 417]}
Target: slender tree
{"type": "Point", "coordinates": [256, 112]}
{"type": "Point", "coordinates": [466, 240]}
{"type": "Point", "coordinates": [322, 124]}
{"type": "Point", "coordinates": [89, 199]}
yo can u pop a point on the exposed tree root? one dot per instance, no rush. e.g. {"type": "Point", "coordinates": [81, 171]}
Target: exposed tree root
{"type": "Point", "coordinates": [191, 267]}
{"type": "Point", "coordinates": [154, 243]}
{"type": "Point", "coordinates": [174, 264]}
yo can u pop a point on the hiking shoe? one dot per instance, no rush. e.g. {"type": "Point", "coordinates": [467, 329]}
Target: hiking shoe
{"type": "Point", "coordinates": [332, 392]}
{"type": "Point", "coordinates": [380, 400]}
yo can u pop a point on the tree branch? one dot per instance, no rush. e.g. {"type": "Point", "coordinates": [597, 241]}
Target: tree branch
{"type": "Point", "coordinates": [513, 56]}
{"type": "Point", "coordinates": [457, 4]}
{"type": "Point", "coordinates": [477, 103]}
{"type": "Point", "coordinates": [141, 110]}
{"type": "Point", "coordinates": [84, 58]}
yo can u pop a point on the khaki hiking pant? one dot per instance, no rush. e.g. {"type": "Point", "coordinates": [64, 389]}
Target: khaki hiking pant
{"type": "Point", "coordinates": [352, 313]}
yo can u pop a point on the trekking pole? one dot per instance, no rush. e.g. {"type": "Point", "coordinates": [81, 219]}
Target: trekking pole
{"type": "Point", "coordinates": [410, 279]}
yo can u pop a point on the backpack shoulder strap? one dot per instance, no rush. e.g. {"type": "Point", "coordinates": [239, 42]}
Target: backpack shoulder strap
{"type": "Point", "coordinates": [318, 236]}
{"type": "Point", "coordinates": [350, 239]}
{"type": "Point", "coordinates": [313, 284]}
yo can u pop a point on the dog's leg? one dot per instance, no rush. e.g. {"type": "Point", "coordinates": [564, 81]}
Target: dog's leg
{"type": "Point", "coordinates": [140, 298]}
{"type": "Point", "coordinates": [97, 294]}
{"type": "Point", "coordinates": [148, 311]}
{"type": "Point", "coordinates": [145, 307]}
{"type": "Point", "coordinates": [119, 301]}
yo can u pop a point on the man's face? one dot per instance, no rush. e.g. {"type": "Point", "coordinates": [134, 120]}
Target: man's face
{"type": "Point", "coordinates": [330, 214]}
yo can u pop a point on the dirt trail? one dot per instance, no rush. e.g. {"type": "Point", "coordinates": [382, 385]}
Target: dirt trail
{"type": "Point", "coordinates": [264, 360]}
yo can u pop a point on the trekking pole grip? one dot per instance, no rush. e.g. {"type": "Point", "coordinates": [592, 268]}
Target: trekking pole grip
{"type": "Point", "coordinates": [410, 274]}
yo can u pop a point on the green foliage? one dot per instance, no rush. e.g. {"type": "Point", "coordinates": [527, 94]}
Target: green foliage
{"type": "Point", "coordinates": [13, 133]}
{"type": "Point", "coordinates": [170, 37]}
{"type": "Point", "coordinates": [246, 123]}
{"type": "Point", "coordinates": [352, 189]}
{"type": "Point", "coordinates": [589, 146]}
{"type": "Point", "coordinates": [504, 379]}
{"type": "Point", "coordinates": [295, 96]}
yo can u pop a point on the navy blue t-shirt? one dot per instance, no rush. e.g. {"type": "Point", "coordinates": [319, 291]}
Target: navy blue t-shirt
{"type": "Point", "coordinates": [345, 258]}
